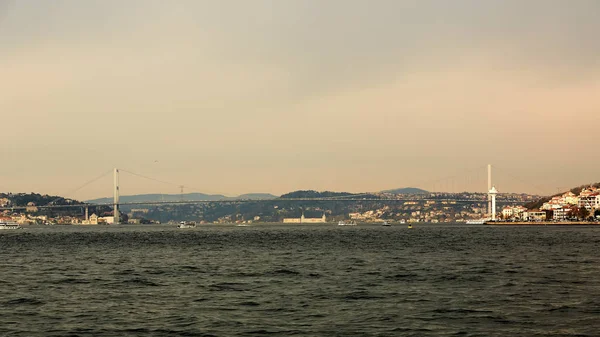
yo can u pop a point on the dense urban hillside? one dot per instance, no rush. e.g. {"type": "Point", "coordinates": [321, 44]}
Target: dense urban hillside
{"type": "Point", "coordinates": [23, 199]}
{"type": "Point", "coordinates": [576, 190]}
{"type": "Point", "coordinates": [32, 200]}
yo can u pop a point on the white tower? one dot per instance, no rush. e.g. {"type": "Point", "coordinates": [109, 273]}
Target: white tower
{"type": "Point", "coordinates": [492, 195]}
{"type": "Point", "coordinates": [116, 197]}
{"type": "Point", "coordinates": [489, 187]}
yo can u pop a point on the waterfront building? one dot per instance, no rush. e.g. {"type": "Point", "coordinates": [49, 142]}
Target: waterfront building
{"type": "Point", "coordinates": [304, 219]}
{"type": "Point", "coordinates": [534, 215]}
{"type": "Point", "coordinates": [507, 212]}
{"type": "Point", "coordinates": [107, 220]}
{"type": "Point", "coordinates": [561, 213]}
{"type": "Point", "coordinates": [93, 220]}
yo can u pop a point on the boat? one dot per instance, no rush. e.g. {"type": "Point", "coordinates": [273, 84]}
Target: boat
{"type": "Point", "coordinates": [409, 226]}
{"type": "Point", "coordinates": [9, 225]}
{"type": "Point", "coordinates": [386, 224]}
{"type": "Point", "coordinates": [184, 224]}
{"type": "Point", "coordinates": [242, 225]}
{"type": "Point", "coordinates": [344, 223]}
{"type": "Point", "coordinates": [476, 222]}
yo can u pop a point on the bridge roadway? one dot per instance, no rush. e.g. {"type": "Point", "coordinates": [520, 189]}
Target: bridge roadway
{"type": "Point", "coordinates": [234, 201]}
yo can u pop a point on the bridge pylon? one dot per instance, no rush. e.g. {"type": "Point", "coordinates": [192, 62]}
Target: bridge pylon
{"type": "Point", "coordinates": [117, 218]}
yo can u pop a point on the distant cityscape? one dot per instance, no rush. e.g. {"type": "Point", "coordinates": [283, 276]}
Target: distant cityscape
{"type": "Point", "coordinates": [418, 206]}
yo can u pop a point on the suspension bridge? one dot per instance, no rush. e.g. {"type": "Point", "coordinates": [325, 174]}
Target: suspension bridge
{"type": "Point", "coordinates": [447, 183]}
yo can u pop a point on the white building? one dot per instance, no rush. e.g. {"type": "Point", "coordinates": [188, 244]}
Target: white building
{"type": "Point", "coordinates": [507, 212]}
{"type": "Point", "coordinates": [590, 201]}
{"type": "Point", "coordinates": [561, 213]}
{"type": "Point", "coordinates": [571, 198]}
{"type": "Point", "coordinates": [534, 215]}
{"type": "Point", "coordinates": [93, 220]}
{"type": "Point", "coordinates": [107, 220]}
{"type": "Point", "coordinates": [303, 219]}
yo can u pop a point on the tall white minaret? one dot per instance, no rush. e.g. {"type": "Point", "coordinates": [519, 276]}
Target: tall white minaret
{"type": "Point", "coordinates": [489, 187]}
{"type": "Point", "coordinates": [492, 195]}
{"type": "Point", "coordinates": [116, 197]}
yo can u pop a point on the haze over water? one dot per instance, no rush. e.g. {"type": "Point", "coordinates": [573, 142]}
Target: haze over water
{"type": "Point", "coordinates": [318, 280]}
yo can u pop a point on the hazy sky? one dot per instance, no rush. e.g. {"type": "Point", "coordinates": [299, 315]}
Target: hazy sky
{"type": "Point", "coordinates": [272, 96]}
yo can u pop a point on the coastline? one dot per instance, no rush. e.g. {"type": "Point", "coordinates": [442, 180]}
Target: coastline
{"type": "Point", "coordinates": [544, 223]}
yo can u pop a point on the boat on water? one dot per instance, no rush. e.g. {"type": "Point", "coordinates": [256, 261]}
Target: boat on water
{"type": "Point", "coordinates": [344, 223]}
{"type": "Point", "coordinates": [476, 221]}
{"type": "Point", "coordinates": [409, 226]}
{"type": "Point", "coordinates": [242, 225]}
{"type": "Point", "coordinates": [386, 224]}
{"type": "Point", "coordinates": [184, 224]}
{"type": "Point", "coordinates": [9, 225]}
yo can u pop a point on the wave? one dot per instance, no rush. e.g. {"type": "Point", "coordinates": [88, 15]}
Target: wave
{"type": "Point", "coordinates": [460, 311]}
{"type": "Point", "coordinates": [142, 281]}
{"type": "Point", "coordinates": [283, 272]}
{"type": "Point", "coordinates": [24, 301]}
{"type": "Point", "coordinates": [249, 304]}
{"type": "Point", "coordinates": [70, 280]}
{"type": "Point", "coordinates": [229, 286]}
{"type": "Point", "coordinates": [361, 295]}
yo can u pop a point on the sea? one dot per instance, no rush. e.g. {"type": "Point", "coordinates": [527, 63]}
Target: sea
{"type": "Point", "coordinates": [292, 280]}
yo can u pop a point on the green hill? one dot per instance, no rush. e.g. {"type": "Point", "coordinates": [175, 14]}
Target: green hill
{"type": "Point", "coordinates": [179, 197]}
{"type": "Point", "coordinates": [407, 190]}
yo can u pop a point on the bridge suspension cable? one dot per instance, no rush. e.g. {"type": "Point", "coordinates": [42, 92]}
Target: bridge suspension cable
{"type": "Point", "coordinates": [82, 186]}
{"type": "Point", "coordinates": [450, 178]}
{"type": "Point", "coordinates": [178, 186]}
{"type": "Point", "coordinates": [523, 181]}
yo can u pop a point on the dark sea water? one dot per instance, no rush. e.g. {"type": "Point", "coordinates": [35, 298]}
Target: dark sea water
{"type": "Point", "coordinates": [301, 281]}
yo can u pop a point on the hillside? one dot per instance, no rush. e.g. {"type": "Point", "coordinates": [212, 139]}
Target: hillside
{"type": "Point", "coordinates": [161, 197]}
{"type": "Point", "coordinates": [407, 190]}
{"type": "Point", "coordinates": [314, 194]}
{"type": "Point", "coordinates": [576, 190]}
{"type": "Point", "coordinates": [22, 199]}
{"type": "Point", "coordinates": [178, 197]}
{"type": "Point", "coordinates": [257, 196]}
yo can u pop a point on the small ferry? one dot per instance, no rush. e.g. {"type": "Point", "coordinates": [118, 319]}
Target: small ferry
{"type": "Point", "coordinates": [476, 222]}
{"type": "Point", "coordinates": [344, 223]}
{"type": "Point", "coordinates": [184, 224]}
{"type": "Point", "coordinates": [9, 225]}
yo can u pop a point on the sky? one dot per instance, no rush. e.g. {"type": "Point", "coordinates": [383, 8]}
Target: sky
{"type": "Point", "coordinates": [272, 96]}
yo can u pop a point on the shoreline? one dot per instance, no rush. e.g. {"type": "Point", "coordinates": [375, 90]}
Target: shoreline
{"type": "Point", "coordinates": [544, 223]}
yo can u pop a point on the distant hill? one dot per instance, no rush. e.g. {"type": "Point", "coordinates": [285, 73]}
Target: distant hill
{"type": "Point", "coordinates": [310, 194]}
{"type": "Point", "coordinates": [178, 197]}
{"type": "Point", "coordinates": [257, 196]}
{"type": "Point", "coordinates": [407, 190]}
{"type": "Point", "coordinates": [314, 194]}
{"type": "Point", "coordinates": [22, 199]}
